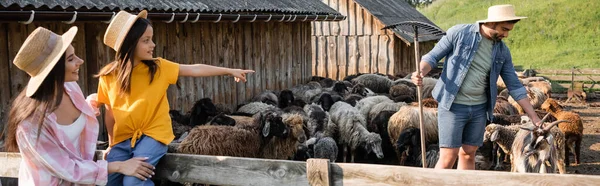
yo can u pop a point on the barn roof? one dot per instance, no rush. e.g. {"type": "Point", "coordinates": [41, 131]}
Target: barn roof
{"type": "Point", "coordinates": [390, 12]}
{"type": "Point", "coordinates": [209, 6]}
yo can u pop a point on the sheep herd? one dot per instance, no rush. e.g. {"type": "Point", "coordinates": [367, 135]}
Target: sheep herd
{"type": "Point", "coordinates": [373, 118]}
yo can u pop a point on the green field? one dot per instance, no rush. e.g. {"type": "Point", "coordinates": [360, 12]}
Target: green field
{"type": "Point", "coordinates": [558, 34]}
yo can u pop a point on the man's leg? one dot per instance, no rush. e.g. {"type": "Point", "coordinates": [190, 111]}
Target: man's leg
{"type": "Point", "coordinates": [450, 131]}
{"type": "Point", "coordinates": [472, 137]}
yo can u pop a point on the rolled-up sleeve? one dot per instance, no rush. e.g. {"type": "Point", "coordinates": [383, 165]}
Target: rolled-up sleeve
{"type": "Point", "coordinates": [515, 88]}
{"type": "Point", "coordinates": [46, 154]}
{"type": "Point", "coordinates": [441, 49]}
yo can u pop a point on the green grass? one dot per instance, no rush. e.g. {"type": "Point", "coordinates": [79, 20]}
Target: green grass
{"type": "Point", "coordinates": [558, 34]}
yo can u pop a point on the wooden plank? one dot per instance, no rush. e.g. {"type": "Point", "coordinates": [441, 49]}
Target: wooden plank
{"type": "Point", "coordinates": [352, 17]}
{"type": "Point", "coordinates": [332, 56]}
{"type": "Point", "coordinates": [343, 27]}
{"type": "Point", "coordinates": [329, 25]}
{"type": "Point", "coordinates": [262, 34]}
{"type": "Point", "coordinates": [383, 53]}
{"type": "Point", "coordinates": [363, 61]}
{"type": "Point", "coordinates": [223, 170]}
{"type": "Point", "coordinates": [568, 71]}
{"type": "Point", "coordinates": [360, 19]}
{"type": "Point", "coordinates": [375, 54]}
{"type": "Point", "coordinates": [368, 19]}
{"type": "Point", "coordinates": [17, 33]}
{"type": "Point", "coordinates": [342, 67]}
{"type": "Point", "coordinates": [391, 64]}
{"type": "Point", "coordinates": [362, 174]}
{"type": "Point", "coordinates": [568, 77]}
{"type": "Point", "coordinates": [322, 61]}
{"type": "Point", "coordinates": [315, 53]}
{"type": "Point", "coordinates": [317, 172]}
{"type": "Point", "coordinates": [5, 63]}
{"type": "Point", "coordinates": [306, 42]}
{"type": "Point", "coordinates": [352, 55]}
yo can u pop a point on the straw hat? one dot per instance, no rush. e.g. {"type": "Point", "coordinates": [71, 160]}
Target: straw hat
{"type": "Point", "coordinates": [119, 27]}
{"type": "Point", "coordinates": [40, 53]}
{"type": "Point", "coordinates": [500, 13]}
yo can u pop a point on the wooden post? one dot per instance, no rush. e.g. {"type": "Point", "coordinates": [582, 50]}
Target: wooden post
{"type": "Point", "coordinates": [317, 172]}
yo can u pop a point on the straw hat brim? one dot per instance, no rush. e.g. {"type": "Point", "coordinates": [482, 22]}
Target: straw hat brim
{"type": "Point", "coordinates": [35, 81]}
{"type": "Point", "coordinates": [125, 26]}
{"type": "Point", "coordinates": [500, 20]}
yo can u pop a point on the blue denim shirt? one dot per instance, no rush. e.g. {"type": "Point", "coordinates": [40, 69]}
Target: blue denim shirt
{"type": "Point", "coordinates": [459, 47]}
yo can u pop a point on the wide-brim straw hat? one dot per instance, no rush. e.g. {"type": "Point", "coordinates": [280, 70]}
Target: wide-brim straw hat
{"type": "Point", "coordinates": [119, 27]}
{"type": "Point", "coordinates": [501, 13]}
{"type": "Point", "coordinates": [40, 53]}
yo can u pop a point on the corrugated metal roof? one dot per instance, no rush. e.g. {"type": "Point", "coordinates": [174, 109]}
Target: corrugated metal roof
{"type": "Point", "coordinates": [216, 6]}
{"type": "Point", "coordinates": [390, 12]}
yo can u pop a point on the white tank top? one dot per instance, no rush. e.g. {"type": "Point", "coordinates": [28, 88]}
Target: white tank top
{"type": "Point", "coordinates": [73, 131]}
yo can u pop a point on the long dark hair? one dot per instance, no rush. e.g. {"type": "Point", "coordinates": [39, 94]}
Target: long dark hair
{"type": "Point", "coordinates": [45, 100]}
{"type": "Point", "coordinates": [123, 64]}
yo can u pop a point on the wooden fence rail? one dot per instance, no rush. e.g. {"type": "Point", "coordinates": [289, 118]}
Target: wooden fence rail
{"type": "Point", "coordinates": [562, 79]}
{"type": "Point", "coordinates": [221, 170]}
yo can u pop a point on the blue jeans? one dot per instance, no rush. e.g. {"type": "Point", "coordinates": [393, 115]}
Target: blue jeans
{"type": "Point", "coordinates": [144, 147]}
{"type": "Point", "coordinates": [462, 124]}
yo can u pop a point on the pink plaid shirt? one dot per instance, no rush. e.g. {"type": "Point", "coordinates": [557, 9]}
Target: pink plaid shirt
{"type": "Point", "coordinates": [53, 159]}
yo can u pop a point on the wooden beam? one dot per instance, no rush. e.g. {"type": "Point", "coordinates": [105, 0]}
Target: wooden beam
{"type": "Point", "coordinates": [568, 71]}
{"type": "Point", "coordinates": [222, 170]}
{"type": "Point", "coordinates": [317, 172]}
{"type": "Point", "coordinates": [568, 77]}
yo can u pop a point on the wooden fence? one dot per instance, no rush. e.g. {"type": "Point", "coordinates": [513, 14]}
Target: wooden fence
{"type": "Point", "coordinates": [221, 170]}
{"type": "Point", "coordinates": [563, 79]}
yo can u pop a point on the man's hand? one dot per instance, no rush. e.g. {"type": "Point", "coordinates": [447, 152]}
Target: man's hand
{"type": "Point", "coordinates": [417, 78]}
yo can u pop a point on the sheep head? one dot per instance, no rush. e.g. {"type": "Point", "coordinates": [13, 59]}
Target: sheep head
{"type": "Point", "coordinates": [326, 101]}
{"type": "Point", "coordinates": [340, 88]}
{"type": "Point", "coordinates": [201, 110]}
{"type": "Point", "coordinates": [272, 124]}
{"type": "Point", "coordinates": [359, 89]}
{"type": "Point", "coordinates": [286, 98]}
{"type": "Point", "coordinates": [551, 105]}
{"type": "Point", "coordinates": [373, 144]}
{"type": "Point", "coordinates": [541, 138]}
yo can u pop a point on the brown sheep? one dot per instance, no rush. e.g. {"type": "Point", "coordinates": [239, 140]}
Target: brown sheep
{"type": "Point", "coordinates": [430, 103]}
{"type": "Point", "coordinates": [408, 116]}
{"type": "Point", "coordinates": [536, 98]}
{"type": "Point", "coordinates": [544, 86]}
{"type": "Point", "coordinates": [573, 129]}
{"type": "Point", "coordinates": [504, 107]}
{"type": "Point", "coordinates": [285, 148]}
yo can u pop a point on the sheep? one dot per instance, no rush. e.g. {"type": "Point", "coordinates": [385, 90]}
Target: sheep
{"type": "Point", "coordinates": [353, 76]}
{"type": "Point", "coordinates": [427, 88]}
{"type": "Point", "coordinates": [408, 116]}
{"type": "Point", "coordinates": [242, 140]}
{"type": "Point", "coordinates": [544, 86]}
{"type": "Point", "coordinates": [352, 99]}
{"type": "Point", "coordinates": [410, 141]}
{"type": "Point", "coordinates": [338, 88]}
{"type": "Point", "coordinates": [319, 121]}
{"type": "Point", "coordinates": [323, 147]}
{"type": "Point", "coordinates": [359, 89]}
{"type": "Point", "coordinates": [222, 108]}
{"type": "Point", "coordinates": [384, 106]}
{"type": "Point", "coordinates": [504, 94]}
{"type": "Point", "coordinates": [573, 128]}
{"type": "Point", "coordinates": [284, 147]}
{"type": "Point", "coordinates": [538, 149]}
{"type": "Point", "coordinates": [365, 104]}
{"type": "Point", "coordinates": [352, 131]}
{"type": "Point", "coordinates": [268, 97]}
{"type": "Point", "coordinates": [504, 107]}
{"type": "Point", "coordinates": [179, 118]}
{"type": "Point", "coordinates": [202, 110]}
{"type": "Point", "coordinates": [505, 120]}
{"type": "Point", "coordinates": [377, 83]}
{"type": "Point", "coordinates": [285, 99]}
{"type": "Point", "coordinates": [379, 124]}
{"type": "Point", "coordinates": [255, 107]}
{"type": "Point", "coordinates": [503, 136]}
{"type": "Point", "coordinates": [536, 98]}
{"type": "Point", "coordinates": [430, 103]}
{"type": "Point", "coordinates": [403, 93]}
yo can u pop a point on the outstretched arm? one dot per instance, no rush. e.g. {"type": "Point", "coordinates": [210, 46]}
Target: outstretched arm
{"type": "Point", "coordinates": [201, 70]}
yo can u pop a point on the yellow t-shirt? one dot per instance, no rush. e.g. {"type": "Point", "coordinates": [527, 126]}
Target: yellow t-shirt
{"type": "Point", "coordinates": [146, 109]}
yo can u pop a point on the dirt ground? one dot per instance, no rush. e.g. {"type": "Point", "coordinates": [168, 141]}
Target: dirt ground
{"type": "Point", "coordinates": [590, 148]}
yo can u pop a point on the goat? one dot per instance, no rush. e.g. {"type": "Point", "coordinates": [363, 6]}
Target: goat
{"type": "Point", "coordinates": [538, 149]}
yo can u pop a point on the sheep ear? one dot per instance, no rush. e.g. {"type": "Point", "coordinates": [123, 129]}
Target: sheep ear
{"type": "Point", "coordinates": [494, 136]}
{"type": "Point", "coordinates": [266, 129]}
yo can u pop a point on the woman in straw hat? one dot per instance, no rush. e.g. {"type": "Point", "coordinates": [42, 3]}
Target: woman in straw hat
{"type": "Point", "coordinates": [51, 123]}
{"type": "Point", "coordinates": [133, 89]}
{"type": "Point", "coordinates": [475, 58]}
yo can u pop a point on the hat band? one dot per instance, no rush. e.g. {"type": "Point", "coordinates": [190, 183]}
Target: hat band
{"type": "Point", "coordinates": [36, 65]}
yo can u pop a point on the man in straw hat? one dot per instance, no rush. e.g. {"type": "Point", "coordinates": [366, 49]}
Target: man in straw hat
{"type": "Point", "coordinates": [466, 92]}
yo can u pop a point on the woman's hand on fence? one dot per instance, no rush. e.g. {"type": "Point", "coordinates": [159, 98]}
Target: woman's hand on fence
{"type": "Point", "coordinates": [239, 74]}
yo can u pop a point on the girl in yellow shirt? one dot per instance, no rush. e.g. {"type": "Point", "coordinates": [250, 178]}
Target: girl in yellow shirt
{"type": "Point", "coordinates": [133, 89]}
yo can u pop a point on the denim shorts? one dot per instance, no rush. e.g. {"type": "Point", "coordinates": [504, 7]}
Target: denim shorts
{"type": "Point", "coordinates": [462, 125]}
{"type": "Point", "coordinates": [144, 147]}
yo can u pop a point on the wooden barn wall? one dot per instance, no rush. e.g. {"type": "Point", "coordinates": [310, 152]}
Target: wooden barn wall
{"type": "Point", "coordinates": [279, 52]}
{"type": "Point", "coordinates": [358, 44]}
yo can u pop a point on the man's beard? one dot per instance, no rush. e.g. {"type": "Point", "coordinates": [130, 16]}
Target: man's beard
{"type": "Point", "coordinates": [495, 37]}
